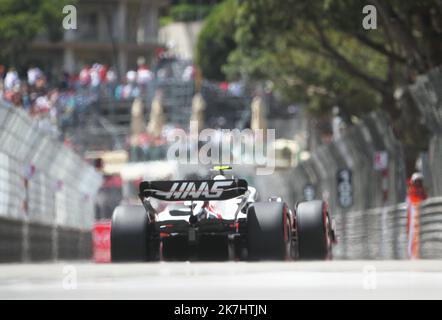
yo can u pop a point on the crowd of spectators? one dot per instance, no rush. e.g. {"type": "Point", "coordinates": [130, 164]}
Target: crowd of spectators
{"type": "Point", "coordinates": [59, 103]}
{"type": "Point", "coordinates": [102, 79]}
{"type": "Point", "coordinates": [36, 95]}
{"type": "Point", "coordinates": [32, 95]}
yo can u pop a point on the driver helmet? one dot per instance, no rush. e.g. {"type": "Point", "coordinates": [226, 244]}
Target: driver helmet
{"type": "Point", "coordinates": [219, 177]}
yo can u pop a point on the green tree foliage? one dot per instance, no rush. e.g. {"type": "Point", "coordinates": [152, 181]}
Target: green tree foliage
{"type": "Point", "coordinates": [216, 40]}
{"type": "Point", "coordinates": [321, 47]}
{"type": "Point", "coordinates": [22, 20]}
{"type": "Point", "coordinates": [317, 51]}
{"type": "Point", "coordinates": [189, 12]}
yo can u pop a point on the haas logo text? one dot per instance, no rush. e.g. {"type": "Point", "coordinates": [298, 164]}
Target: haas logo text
{"type": "Point", "coordinates": [184, 190]}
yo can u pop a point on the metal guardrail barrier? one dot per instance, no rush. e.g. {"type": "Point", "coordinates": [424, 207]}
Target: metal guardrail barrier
{"type": "Point", "coordinates": [431, 228]}
{"type": "Point", "coordinates": [433, 177]}
{"type": "Point", "coordinates": [381, 233]}
{"type": "Point", "coordinates": [46, 193]}
{"type": "Point", "coordinates": [378, 233]}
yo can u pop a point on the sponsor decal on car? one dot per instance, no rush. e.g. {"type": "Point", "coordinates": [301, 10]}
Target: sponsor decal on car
{"type": "Point", "coordinates": [183, 190]}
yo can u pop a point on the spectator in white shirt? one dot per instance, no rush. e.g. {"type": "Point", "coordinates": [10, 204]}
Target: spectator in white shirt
{"type": "Point", "coordinates": [144, 75]}
{"type": "Point", "coordinates": [111, 76]}
{"type": "Point", "coordinates": [85, 76]}
{"type": "Point", "coordinates": [33, 74]}
{"type": "Point", "coordinates": [11, 79]}
{"type": "Point", "coordinates": [131, 76]}
{"type": "Point", "coordinates": [95, 75]}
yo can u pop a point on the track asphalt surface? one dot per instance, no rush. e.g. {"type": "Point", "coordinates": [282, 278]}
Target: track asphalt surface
{"type": "Point", "coordinates": [228, 280]}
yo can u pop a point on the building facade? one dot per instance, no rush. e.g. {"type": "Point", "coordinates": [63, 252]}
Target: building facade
{"type": "Point", "coordinates": [112, 32]}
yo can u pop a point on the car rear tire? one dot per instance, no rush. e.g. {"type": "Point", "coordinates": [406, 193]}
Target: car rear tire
{"type": "Point", "coordinates": [132, 235]}
{"type": "Point", "coordinates": [268, 231]}
{"type": "Point", "coordinates": [313, 230]}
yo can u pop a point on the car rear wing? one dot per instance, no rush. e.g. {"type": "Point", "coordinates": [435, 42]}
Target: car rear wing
{"type": "Point", "coordinates": [193, 190]}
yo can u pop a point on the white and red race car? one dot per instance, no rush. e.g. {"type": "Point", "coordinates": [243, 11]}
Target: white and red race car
{"type": "Point", "coordinates": [217, 219]}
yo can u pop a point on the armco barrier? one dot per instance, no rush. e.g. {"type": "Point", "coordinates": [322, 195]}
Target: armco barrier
{"type": "Point", "coordinates": [431, 228]}
{"type": "Point", "coordinates": [11, 240]}
{"type": "Point", "coordinates": [381, 233]}
{"type": "Point", "coordinates": [46, 193]}
{"type": "Point", "coordinates": [434, 178]}
{"type": "Point", "coordinates": [378, 233]}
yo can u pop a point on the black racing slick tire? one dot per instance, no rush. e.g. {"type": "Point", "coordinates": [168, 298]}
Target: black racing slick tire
{"type": "Point", "coordinates": [313, 232]}
{"type": "Point", "coordinates": [132, 235]}
{"type": "Point", "coordinates": [268, 231]}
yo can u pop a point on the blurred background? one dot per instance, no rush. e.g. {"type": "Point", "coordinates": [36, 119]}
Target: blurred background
{"type": "Point", "coordinates": [86, 113]}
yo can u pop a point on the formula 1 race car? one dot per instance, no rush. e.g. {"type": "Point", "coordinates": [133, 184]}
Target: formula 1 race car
{"type": "Point", "coordinates": [217, 219]}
